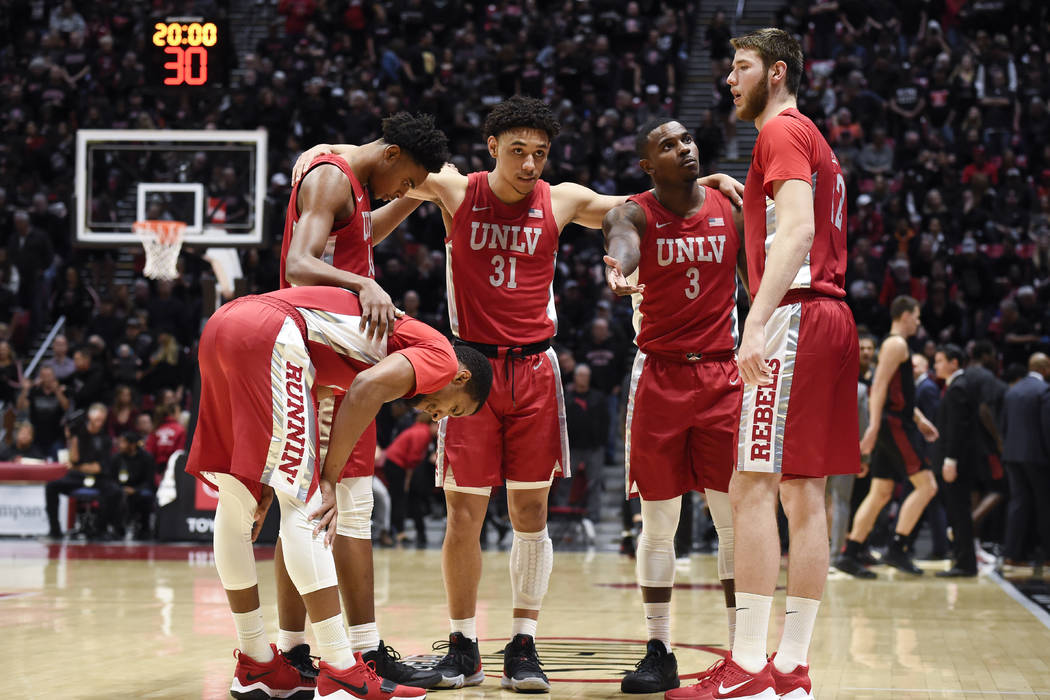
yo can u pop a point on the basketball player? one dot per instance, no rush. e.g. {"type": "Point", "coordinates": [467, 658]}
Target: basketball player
{"type": "Point", "coordinates": [798, 357]}
{"type": "Point", "coordinates": [893, 440]}
{"type": "Point", "coordinates": [330, 206]}
{"type": "Point", "coordinates": [501, 240]}
{"type": "Point", "coordinates": [679, 246]}
{"type": "Point", "coordinates": [264, 359]}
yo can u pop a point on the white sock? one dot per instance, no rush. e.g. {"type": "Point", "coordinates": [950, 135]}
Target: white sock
{"type": "Point", "coordinates": [799, 617]}
{"type": "Point", "coordinates": [332, 643]}
{"type": "Point", "coordinates": [467, 627]}
{"type": "Point", "coordinates": [523, 625]}
{"type": "Point", "coordinates": [658, 622]}
{"type": "Point", "coordinates": [364, 637]}
{"type": "Point", "coordinates": [288, 640]}
{"type": "Point", "coordinates": [752, 626]}
{"type": "Point", "coordinates": [251, 635]}
{"type": "Point", "coordinates": [731, 614]}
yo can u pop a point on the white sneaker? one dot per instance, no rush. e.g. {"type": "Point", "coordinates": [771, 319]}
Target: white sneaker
{"type": "Point", "coordinates": [588, 530]}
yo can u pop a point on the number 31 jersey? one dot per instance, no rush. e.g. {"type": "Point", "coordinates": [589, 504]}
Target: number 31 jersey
{"type": "Point", "coordinates": [499, 266]}
{"type": "Point", "coordinates": [688, 267]}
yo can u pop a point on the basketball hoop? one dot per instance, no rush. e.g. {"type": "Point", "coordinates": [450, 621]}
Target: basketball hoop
{"type": "Point", "coordinates": [162, 241]}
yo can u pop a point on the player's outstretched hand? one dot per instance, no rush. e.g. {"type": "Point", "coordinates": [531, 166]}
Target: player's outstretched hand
{"type": "Point", "coordinates": [307, 157]}
{"type": "Point", "coordinates": [750, 358]}
{"type": "Point", "coordinates": [867, 443]}
{"type": "Point", "coordinates": [265, 499]}
{"type": "Point", "coordinates": [378, 312]}
{"type": "Point", "coordinates": [929, 431]}
{"type": "Point", "coordinates": [617, 281]}
{"type": "Point", "coordinates": [325, 515]}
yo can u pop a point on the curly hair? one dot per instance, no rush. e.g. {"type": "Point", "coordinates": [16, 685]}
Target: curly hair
{"type": "Point", "coordinates": [520, 112]}
{"type": "Point", "coordinates": [480, 373]}
{"type": "Point", "coordinates": [418, 137]}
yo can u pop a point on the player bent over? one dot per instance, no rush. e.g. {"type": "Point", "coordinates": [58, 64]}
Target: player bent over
{"type": "Point", "coordinates": [263, 360]}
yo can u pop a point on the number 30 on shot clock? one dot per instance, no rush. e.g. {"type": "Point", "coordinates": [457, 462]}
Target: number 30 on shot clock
{"type": "Point", "coordinates": [187, 51]}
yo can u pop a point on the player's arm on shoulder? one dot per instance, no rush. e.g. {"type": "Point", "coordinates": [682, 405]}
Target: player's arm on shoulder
{"type": "Point", "coordinates": [321, 149]}
{"type": "Point", "coordinates": [623, 227]}
{"type": "Point", "coordinates": [389, 216]}
{"type": "Point", "coordinates": [727, 185]}
{"type": "Point", "coordinates": [581, 205]}
{"type": "Point", "coordinates": [447, 187]}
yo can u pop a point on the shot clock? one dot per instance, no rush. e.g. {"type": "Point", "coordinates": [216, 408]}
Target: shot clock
{"type": "Point", "coordinates": [187, 52]}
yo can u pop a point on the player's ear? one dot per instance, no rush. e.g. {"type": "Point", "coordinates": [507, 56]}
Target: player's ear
{"type": "Point", "coordinates": [391, 153]}
{"type": "Point", "coordinates": [462, 376]}
{"type": "Point", "coordinates": [493, 145]}
{"type": "Point", "coordinates": [646, 165]}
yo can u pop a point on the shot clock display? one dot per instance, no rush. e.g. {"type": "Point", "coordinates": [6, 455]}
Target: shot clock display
{"type": "Point", "coordinates": [187, 51]}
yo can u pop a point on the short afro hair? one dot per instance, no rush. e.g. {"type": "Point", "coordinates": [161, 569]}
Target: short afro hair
{"type": "Point", "coordinates": [641, 138]}
{"type": "Point", "coordinates": [520, 112]}
{"type": "Point", "coordinates": [480, 382]}
{"type": "Point", "coordinates": [419, 138]}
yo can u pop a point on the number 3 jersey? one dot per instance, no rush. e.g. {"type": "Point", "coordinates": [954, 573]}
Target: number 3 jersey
{"type": "Point", "coordinates": [790, 147]}
{"type": "Point", "coordinates": [688, 267]}
{"type": "Point", "coordinates": [500, 266]}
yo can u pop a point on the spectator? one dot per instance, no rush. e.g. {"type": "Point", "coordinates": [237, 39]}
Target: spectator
{"type": "Point", "coordinates": [404, 457]}
{"type": "Point", "coordinates": [587, 419]}
{"type": "Point", "coordinates": [169, 437]}
{"type": "Point", "coordinates": [123, 413]}
{"type": "Point", "coordinates": [89, 452]}
{"type": "Point", "coordinates": [88, 382]}
{"type": "Point", "coordinates": [134, 471]}
{"type": "Point", "coordinates": [24, 447]}
{"type": "Point", "coordinates": [10, 374]}
{"type": "Point", "coordinates": [60, 361]}
{"type": "Point", "coordinates": [46, 403]}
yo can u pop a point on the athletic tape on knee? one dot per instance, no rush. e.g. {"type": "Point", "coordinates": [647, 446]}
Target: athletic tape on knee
{"type": "Point", "coordinates": [531, 562]}
{"type": "Point", "coordinates": [232, 536]}
{"type": "Point", "coordinates": [354, 498]}
{"type": "Point", "coordinates": [654, 565]}
{"type": "Point", "coordinates": [722, 515]}
{"type": "Point", "coordinates": [309, 564]}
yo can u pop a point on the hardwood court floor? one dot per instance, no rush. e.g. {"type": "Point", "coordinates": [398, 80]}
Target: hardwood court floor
{"type": "Point", "coordinates": [125, 621]}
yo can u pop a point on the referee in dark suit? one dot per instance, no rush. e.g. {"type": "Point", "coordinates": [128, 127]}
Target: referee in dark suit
{"type": "Point", "coordinates": [957, 452]}
{"type": "Point", "coordinates": [1025, 427]}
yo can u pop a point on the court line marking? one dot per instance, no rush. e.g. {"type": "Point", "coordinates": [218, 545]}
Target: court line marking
{"type": "Point", "coordinates": [952, 690]}
{"type": "Point", "coordinates": [1011, 590]}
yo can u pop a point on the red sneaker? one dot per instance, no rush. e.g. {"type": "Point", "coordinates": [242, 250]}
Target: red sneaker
{"type": "Point", "coordinates": [735, 682]}
{"type": "Point", "coordinates": [792, 686]}
{"type": "Point", "coordinates": [360, 681]}
{"type": "Point", "coordinates": [707, 683]}
{"type": "Point", "coordinates": [276, 678]}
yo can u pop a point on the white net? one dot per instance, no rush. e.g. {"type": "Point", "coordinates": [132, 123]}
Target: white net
{"type": "Point", "coordinates": [162, 241]}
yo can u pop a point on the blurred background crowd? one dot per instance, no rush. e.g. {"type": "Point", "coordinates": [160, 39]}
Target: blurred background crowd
{"type": "Point", "coordinates": [937, 111]}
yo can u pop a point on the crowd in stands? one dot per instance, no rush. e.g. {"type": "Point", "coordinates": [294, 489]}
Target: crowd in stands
{"type": "Point", "coordinates": [937, 112]}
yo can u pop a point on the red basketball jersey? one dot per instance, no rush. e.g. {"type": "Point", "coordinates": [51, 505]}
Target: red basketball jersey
{"type": "Point", "coordinates": [500, 266]}
{"type": "Point", "coordinates": [790, 147]}
{"type": "Point", "coordinates": [688, 267]}
{"type": "Point", "coordinates": [350, 241]}
{"type": "Point", "coordinates": [339, 350]}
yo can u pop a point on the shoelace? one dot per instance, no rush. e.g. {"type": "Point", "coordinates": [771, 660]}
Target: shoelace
{"type": "Point", "coordinates": [390, 652]}
{"type": "Point", "coordinates": [650, 660]}
{"type": "Point", "coordinates": [301, 660]}
{"type": "Point", "coordinates": [452, 653]}
{"type": "Point", "coordinates": [370, 671]}
{"type": "Point", "coordinates": [526, 654]}
{"type": "Point", "coordinates": [712, 674]}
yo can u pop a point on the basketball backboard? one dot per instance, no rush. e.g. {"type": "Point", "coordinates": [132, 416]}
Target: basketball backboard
{"type": "Point", "coordinates": [214, 181]}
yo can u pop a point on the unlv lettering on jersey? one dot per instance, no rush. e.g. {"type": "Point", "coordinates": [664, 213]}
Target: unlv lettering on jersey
{"type": "Point", "coordinates": [690, 249]}
{"type": "Point", "coordinates": [504, 237]}
{"type": "Point", "coordinates": [762, 423]}
{"type": "Point", "coordinates": [295, 442]}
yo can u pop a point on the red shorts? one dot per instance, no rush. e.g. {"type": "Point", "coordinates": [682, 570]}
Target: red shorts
{"type": "Point", "coordinates": [512, 438]}
{"type": "Point", "coordinates": [682, 421]}
{"type": "Point", "coordinates": [804, 424]}
{"type": "Point", "coordinates": [257, 418]}
{"type": "Point", "coordinates": [363, 457]}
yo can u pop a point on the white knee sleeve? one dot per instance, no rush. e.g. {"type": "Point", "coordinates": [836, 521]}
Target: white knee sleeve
{"type": "Point", "coordinates": [232, 540]}
{"type": "Point", "coordinates": [654, 566]}
{"type": "Point", "coordinates": [354, 497]}
{"type": "Point", "coordinates": [309, 564]}
{"type": "Point", "coordinates": [531, 562]}
{"type": "Point", "coordinates": [722, 515]}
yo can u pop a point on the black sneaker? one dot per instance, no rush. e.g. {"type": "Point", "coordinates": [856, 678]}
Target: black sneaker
{"type": "Point", "coordinates": [521, 667]}
{"type": "Point", "coordinates": [867, 557]}
{"type": "Point", "coordinates": [627, 545]}
{"type": "Point", "coordinates": [388, 665]}
{"type": "Point", "coordinates": [657, 672]}
{"type": "Point", "coordinates": [899, 559]}
{"type": "Point", "coordinates": [299, 657]}
{"type": "Point", "coordinates": [849, 565]}
{"type": "Point", "coordinates": [461, 666]}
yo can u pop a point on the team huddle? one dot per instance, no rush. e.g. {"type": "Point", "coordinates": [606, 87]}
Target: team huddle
{"type": "Point", "coordinates": [292, 381]}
